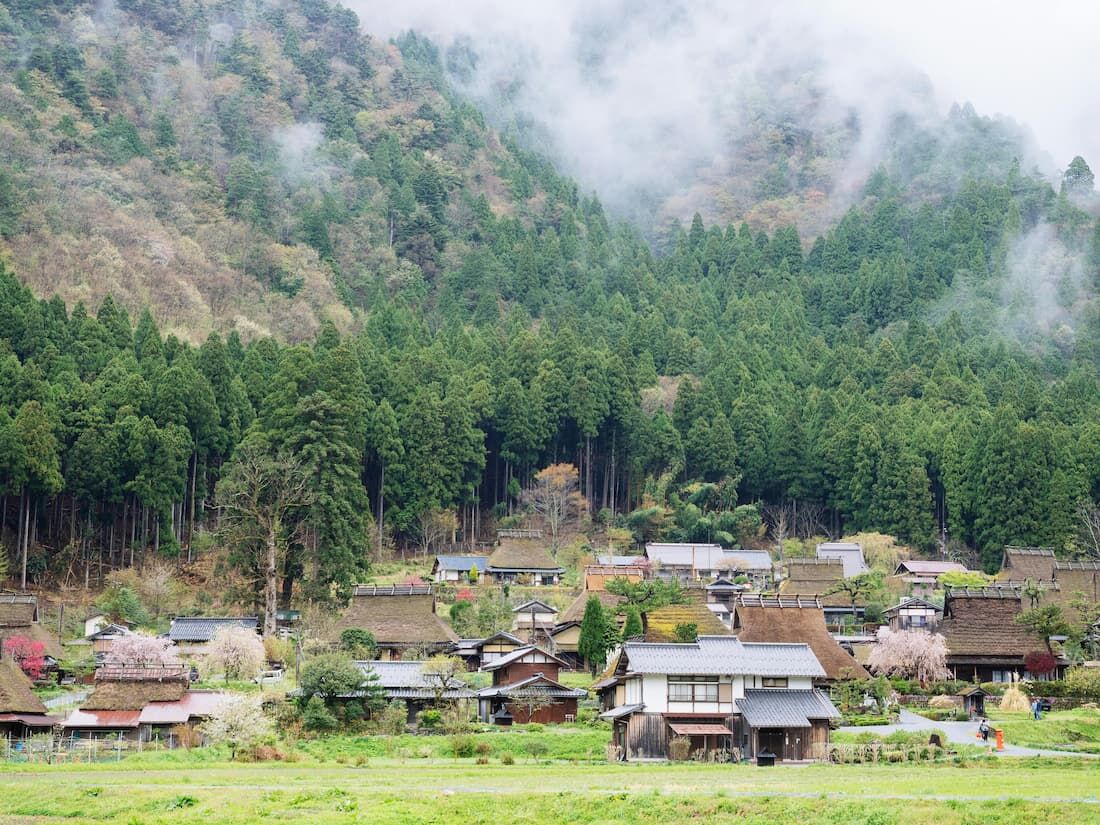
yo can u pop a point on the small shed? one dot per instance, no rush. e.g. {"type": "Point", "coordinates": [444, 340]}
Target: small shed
{"type": "Point", "coordinates": [973, 700]}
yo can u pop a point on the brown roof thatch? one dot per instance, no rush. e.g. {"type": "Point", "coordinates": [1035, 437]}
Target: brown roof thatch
{"type": "Point", "coordinates": [575, 611]}
{"type": "Point", "coordinates": [763, 619]}
{"type": "Point", "coordinates": [815, 577]}
{"type": "Point", "coordinates": [133, 694]}
{"type": "Point", "coordinates": [660, 624]}
{"type": "Point", "coordinates": [982, 623]}
{"type": "Point", "coordinates": [396, 618]}
{"type": "Point", "coordinates": [523, 554]}
{"type": "Point", "coordinates": [17, 611]}
{"type": "Point", "coordinates": [15, 690]}
{"type": "Point", "coordinates": [1076, 580]}
{"type": "Point", "coordinates": [1022, 563]}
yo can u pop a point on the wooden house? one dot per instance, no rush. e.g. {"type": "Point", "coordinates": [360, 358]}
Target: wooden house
{"type": "Point", "coordinates": [914, 614]}
{"type": "Point", "coordinates": [984, 642]}
{"type": "Point", "coordinates": [191, 634]}
{"type": "Point", "coordinates": [401, 618]}
{"type": "Point", "coordinates": [407, 682]}
{"type": "Point", "coordinates": [523, 559]}
{"type": "Point", "coordinates": [477, 652]}
{"type": "Point", "coordinates": [921, 577]}
{"type": "Point", "coordinates": [1078, 583]}
{"type": "Point", "coordinates": [162, 720]}
{"type": "Point", "coordinates": [19, 616]}
{"type": "Point", "coordinates": [459, 569]}
{"type": "Point", "coordinates": [849, 553]}
{"type": "Point", "coordinates": [94, 622]}
{"type": "Point", "coordinates": [723, 695]}
{"type": "Point", "coordinates": [596, 576]}
{"type": "Point", "coordinates": [21, 712]}
{"type": "Point", "coordinates": [526, 689]}
{"type": "Point", "coordinates": [688, 562]}
{"type": "Point", "coordinates": [819, 579]}
{"type": "Point", "coordinates": [120, 695]}
{"type": "Point", "coordinates": [794, 620]}
{"type": "Point", "coordinates": [1022, 563]}
{"type": "Point", "coordinates": [533, 619]}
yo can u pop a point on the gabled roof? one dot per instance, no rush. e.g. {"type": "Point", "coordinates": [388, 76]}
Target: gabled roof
{"type": "Point", "coordinates": [109, 631]}
{"type": "Point", "coordinates": [18, 609]}
{"type": "Point", "coordinates": [720, 655]}
{"type": "Point", "coordinates": [205, 628]}
{"type": "Point", "coordinates": [1028, 563]}
{"type": "Point", "coordinates": [403, 675]}
{"type": "Point", "coordinates": [1075, 579]}
{"type": "Point", "coordinates": [982, 623]}
{"type": "Point", "coordinates": [660, 624]}
{"type": "Point", "coordinates": [133, 695]}
{"type": "Point", "coordinates": [676, 554]}
{"type": "Point", "coordinates": [815, 577]}
{"type": "Point", "coordinates": [520, 654]}
{"type": "Point", "coordinates": [397, 617]}
{"type": "Point", "coordinates": [537, 684]}
{"type": "Point", "coordinates": [850, 554]}
{"type": "Point", "coordinates": [522, 555]}
{"type": "Point", "coordinates": [16, 695]}
{"type": "Point", "coordinates": [194, 704]}
{"type": "Point", "coordinates": [534, 605]}
{"type": "Point", "coordinates": [620, 561]}
{"type": "Point", "coordinates": [575, 611]}
{"type": "Point", "coordinates": [463, 564]}
{"type": "Point", "coordinates": [109, 719]}
{"type": "Point", "coordinates": [920, 567]}
{"type": "Point", "coordinates": [503, 634]}
{"type": "Point", "coordinates": [751, 560]}
{"type": "Point", "coordinates": [778, 708]}
{"type": "Point", "coordinates": [913, 602]}
{"type": "Point", "coordinates": [774, 619]}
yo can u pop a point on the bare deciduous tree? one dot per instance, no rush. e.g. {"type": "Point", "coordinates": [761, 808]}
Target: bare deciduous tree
{"type": "Point", "coordinates": [442, 674]}
{"type": "Point", "coordinates": [257, 498]}
{"type": "Point", "coordinates": [1088, 528]}
{"type": "Point", "coordinates": [556, 497]}
{"type": "Point", "coordinates": [436, 525]}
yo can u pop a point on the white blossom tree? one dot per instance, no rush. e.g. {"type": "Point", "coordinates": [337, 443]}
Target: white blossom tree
{"type": "Point", "coordinates": [139, 649]}
{"type": "Point", "coordinates": [237, 652]}
{"type": "Point", "coordinates": [237, 721]}
{"type": "Point", "coordinates": [910, 654]}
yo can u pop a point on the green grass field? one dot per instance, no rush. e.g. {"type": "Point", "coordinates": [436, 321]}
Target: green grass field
{"type": "Point", "coordinates": [200, 787]}
{"type": "Point", "coordinates": [1073, 730]}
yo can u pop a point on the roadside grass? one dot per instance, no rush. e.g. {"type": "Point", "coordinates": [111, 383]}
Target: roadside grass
{"type": "Point", "coordinates": [1016, 791]}
{"type": "Point", "coordinates": [574, 743]}
{"type": "Point", "coordinates": [1072, 730]}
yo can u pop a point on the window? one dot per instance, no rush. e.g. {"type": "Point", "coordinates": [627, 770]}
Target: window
{"type": "Point", "coordinates": [774, 681]}
{"type": "Point", "coordinates": [693, 688]}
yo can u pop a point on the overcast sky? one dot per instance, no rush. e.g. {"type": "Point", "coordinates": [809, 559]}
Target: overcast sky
{"type": "Point", "coordinates": [667, 66]}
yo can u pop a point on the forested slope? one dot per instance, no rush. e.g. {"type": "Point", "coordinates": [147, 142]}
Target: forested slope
{"type": "Point", "coordinates": [931, 357]}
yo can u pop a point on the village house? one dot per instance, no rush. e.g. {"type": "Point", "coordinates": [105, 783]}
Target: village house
{"type": "Point", "coordinates": [19, 617]}
{"type": "Point", "coordinates": [688, 562]}
{"type": "Point", "coordinates": [526, 689]}
{"type": "Point", "coordinates": [534, 620]}
{"type": "Point", "coordinates": [524, 560]}
{"type": "Point", "coordinates": [407, 682]}
{"type": "Point", "coordinates": [612, 560]}
{"type": "Point", "coordinates": [922, 577]}
{"type": "Point", "coordinates": [915, 614]}
{"type": "Point", "coordinates": [820, 579]}
{"type": "Point", "coordinates": [121, 693]}
{"type": "Point", "coordinates": [1022, 563]}
{"type": "Point", "coordinates": [566, 635]}
{"type": "Point", "coordinates": [596, 576]}
{"type": "Point", "coordinates": [22, 714]}
{"type": "Point", "coordinates": [459, 569]}
{"type": "Point", "coordinates": [401, 618]}
{"type": "Point", "coordinates": [94, 622]}
{"type": "Point", "coordinates": [191, 634]}
{"type": "Point", "coordinates": [984, 642]}
{"type": "Point", "coordinates": [728, 698]}
{"type": "Point", "coordinates": [795, 620]}
{"type": "Point", "coordinates": [681, 623]}
{"type": "Point", "coordinates": [1077, 585]}
{"type": "Point", "coordinates": [478, 652]}
{"type": "Point", "coordinates": [849, 553]}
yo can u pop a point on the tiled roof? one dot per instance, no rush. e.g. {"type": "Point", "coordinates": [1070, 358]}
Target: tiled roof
{"type": "Point", "coordinates": [392, 590]}
{"type": "Point", "coordinates": [462, 563]}
{"type": "Point", "coordinates": [520, 653]}
{"type": "Point", "coordinates": [699, 556]}
{"type": "Point", "coordinates": [537, 684]}
{"type": "Point", "coordinates": [397, 620]}
{"type": "Point", "coordinates": [913, 602]}
{"type": "Point", "coordinates": [785, 708]}
{"type": "Point", "coordinates": [851, 555]}
{"type": "Point", "coordinates": [536, 605]}
{"type": "Point", "coordinates": [394, 675]}
{"type": "Point", "coordinates": [720, 655]}
{"type": "Point", "coordinates": [205, 628]}
{"type": "Point", "coordinates": [766, 619]}
{"type": "Point", "coordinates": [745, 560]}
{"type": "Point", "coordinates": [523, 554]}
{"type": "Point", "coordinates": [620, 561]}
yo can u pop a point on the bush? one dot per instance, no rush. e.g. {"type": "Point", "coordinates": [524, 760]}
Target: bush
{"type": "Point", "coordinates": [483, 748]}
{"type": "Point", "coordinates": [1082, 681]}
{"type": "Point", "coordinates": [536, 748]}
{"type": "Point", "coordinates": [393, 718]}
{"type": "Point", "coordinates": [483, 760]}
{"type": "Point", "coordinates": [507, 758]}
{"type": "Point", "coordinates": [358, 642]}
{"type": "Point", "coordinates": [462, 746]}
{"type": "Point", "coordinates": [317, 718]}
{"type": "Point", "coordinates": [429, 719]}
{"type": "Point", "coordinates": [679, 748]}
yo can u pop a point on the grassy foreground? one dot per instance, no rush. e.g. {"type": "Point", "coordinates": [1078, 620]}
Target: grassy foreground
{"type": "Point", "coordinates": [170, 789]}
{"type": "Point", "coordinates": [1069, 730]}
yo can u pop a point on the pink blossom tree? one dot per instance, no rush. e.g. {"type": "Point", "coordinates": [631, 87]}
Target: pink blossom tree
{"type": "Point", "coordinates": [910, 654]}
{"type": "Point", "coordinates": [139, 649]}
{"type": "Point", "coordinates": [28, 654]}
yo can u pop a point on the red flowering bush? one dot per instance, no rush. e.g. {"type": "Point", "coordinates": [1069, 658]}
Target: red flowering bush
{"type": "Point", "coordinates": [28, 654]}
{"type": "Point", "coordinates": [1039, 662]}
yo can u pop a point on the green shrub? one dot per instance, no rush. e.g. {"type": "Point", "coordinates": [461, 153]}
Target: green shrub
{"type": "Point", "coordinates": [507, 758]}
{"type": "Point", "coordinates": [483, 748]}
{"type": "Point", "coordinates": [393, 718]}
{"type": "Point", "coordinates": [463, 746]}
{"type": "Point", "coordinates": [317, 718]}
{"type": "Point", "coordinates": [536, 748]}
{"type": "Point", "coordinates": [429, 718]}
{"type": "Point", "coordinates": [483, 760]}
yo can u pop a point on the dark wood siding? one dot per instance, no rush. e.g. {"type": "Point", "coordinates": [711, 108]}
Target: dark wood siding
{"type": "Point", "coordinates": [647, 736]}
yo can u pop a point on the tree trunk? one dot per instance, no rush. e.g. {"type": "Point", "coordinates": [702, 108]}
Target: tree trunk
{"type": "Point", "coordinates": [271, 580]}
{"type": "Point", "coordinates": [26, 535]}
{"type": "Point", "coordinates": [191, 514]}
{"type": "Point", "coordinates": [381, 510]}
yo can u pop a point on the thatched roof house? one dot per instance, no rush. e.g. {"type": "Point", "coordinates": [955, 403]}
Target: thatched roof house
{"type": "Point", "coordinates": [815, 577]}
{"type": "Point", "coordinates": [132, 688]}
{"type": "Point", "coordinates": [21, 712]}
{"type": "Point", "coordinates": [1021, 563]}
{"type": "Point", "coordinates": [19, 616]}
{"type": "Point", "coordinates": [401, 617]}
{"type": "Point", "coordinates": [778, 619]}
{"type": "Point", "coordinates": [524, 557]}
{"type": "Point", "coordinates": [984, 642]}
{"type": "Point", "coordinates": [660, 625]}
{"type": "Point", "coordinates": [1077, 581]}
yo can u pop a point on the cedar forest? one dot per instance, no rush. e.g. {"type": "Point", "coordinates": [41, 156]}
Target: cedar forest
{"type": "Point", "coordinates": [232, 224]}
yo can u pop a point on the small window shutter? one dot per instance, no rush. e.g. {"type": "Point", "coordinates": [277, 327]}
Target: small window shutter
{"type": "Point", "coordinates": [725, 692]}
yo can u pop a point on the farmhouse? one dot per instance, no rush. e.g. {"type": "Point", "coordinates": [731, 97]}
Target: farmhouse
{"type": "Point", "coordinates": [115, 706]}
{"type": "Point", "coordinates": [687, 562]}
{"type": "Point", "coordinates": [523, 558]}
{"type": "Point", "coordinates": [914, 614]}
{"type": "Point", "coordinates": [1078, 583]}
{"type": "Point", "coordinates": [984, 642]}
{"type": "Point", "coordinates": [459, 568]}
{"type": "Point", "coordinates": [21, 712]}
{"type": "Point", "coordinates": [525, 689]}
{"type": "Point", "coordinates": [849, 553]}
{"type": "Point", "coordinates": [922, 577]}
{"type": "Point", "coordinates": [191, 634]}
{"type": "Point", "coordinates": [401, 618]}
{"type": "Point", "coordinates": [1022, 563]}
{"type": "Point", "coordinates": [725, 697]}
{"type": "Point", "coordinates": [819, 579]}
{"type": "Point", "coordinates": [596, 576]}
{"type": "Point", "coordinates": [407, 682]}
{"type": "Point", "coordinates": [19, 616]}
{"type": "Point", "coordinates": [797, 620]}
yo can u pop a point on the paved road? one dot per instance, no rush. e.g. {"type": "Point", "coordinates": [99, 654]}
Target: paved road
{"type": "Point", "coordinates": [959, 733]}
{"type": "Point", "coordinates": [73, 698]}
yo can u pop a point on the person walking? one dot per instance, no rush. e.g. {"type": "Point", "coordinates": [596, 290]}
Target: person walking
{"type": "Point", "coordinates": [1036, 709]}
{"type": "Point", "coordinates": [983, 732]}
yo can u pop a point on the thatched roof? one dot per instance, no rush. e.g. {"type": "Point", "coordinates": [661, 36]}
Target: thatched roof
{"type": "Point", "coordinates": [133, 695]}
{"type": "Point", "coordinates": [15, 690]}
{"type": "Point", "coordinates": [521, 555]}
{"type": "Point", "coordinates": [660, 624]}
{"type": "Point", "coordinates": [815, 577]}
{"type": "Point", "coordinates": [397, 618]}
{"type": "Point", "coordinates": [1076, 580]}
{"type": "Point", "coordinates": [1022, 563]}
{"type": "Point", "coordinates": [982, 623]}
{"type": "Point", "coordinates": [17, 610]}
{"type": "Point", "coordinates": [783, 621]}
{"type": "Point", "coordinates": [575, 611]}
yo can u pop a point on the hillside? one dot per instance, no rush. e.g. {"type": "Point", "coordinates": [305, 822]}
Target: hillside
{"type": "Point", "coordinates": [449, 315]}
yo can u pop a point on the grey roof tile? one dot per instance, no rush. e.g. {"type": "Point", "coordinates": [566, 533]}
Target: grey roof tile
{"type": "Point", "coordinates": [720, 655]}
{"type": "Point", "coordinates": [778, 708]}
